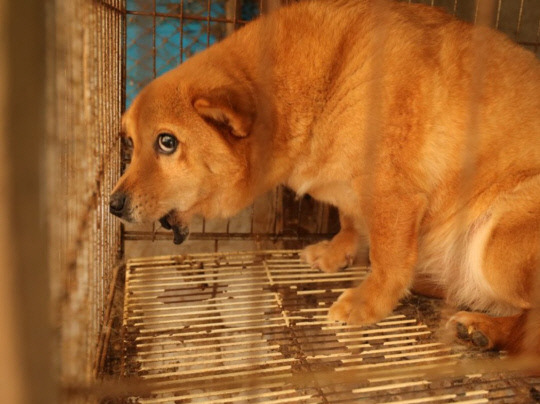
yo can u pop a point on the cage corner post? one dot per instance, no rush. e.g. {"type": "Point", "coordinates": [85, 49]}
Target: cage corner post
{"type": "Point", "coordinates": [26, 341]}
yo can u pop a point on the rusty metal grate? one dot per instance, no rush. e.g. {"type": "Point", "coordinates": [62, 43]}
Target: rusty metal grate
{"type": "Point", "coordinates": [251, 327]}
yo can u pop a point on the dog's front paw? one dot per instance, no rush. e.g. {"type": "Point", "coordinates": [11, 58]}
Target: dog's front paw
{"type": "Point", "coordinates": [327, 257]}
{"type": "Point", "coordinates": [352, 308]}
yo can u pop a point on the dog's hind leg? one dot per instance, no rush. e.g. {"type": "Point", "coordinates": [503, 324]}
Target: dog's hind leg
{"type": "Point", "coordinates": [340, 252]}
{"type": "Point", "coordinates": [511, 261]}
{"type": "Point", "coordinates": [511, 270]}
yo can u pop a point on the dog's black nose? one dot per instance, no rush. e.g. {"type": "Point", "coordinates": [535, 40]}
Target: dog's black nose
{"type": "Point", "coordinates": [117, 203]}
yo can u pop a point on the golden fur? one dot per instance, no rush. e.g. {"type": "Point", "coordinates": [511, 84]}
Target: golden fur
{"type": "Point", "coordinates": [422, 130]}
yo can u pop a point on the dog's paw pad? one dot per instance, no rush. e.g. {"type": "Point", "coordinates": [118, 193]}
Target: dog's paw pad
{"type": "Point", "coordinates": [479, 339]}
{"type": "Point", "coordinates": [469, 332]}
{"type": "Point", "coordinates": [461, 332]}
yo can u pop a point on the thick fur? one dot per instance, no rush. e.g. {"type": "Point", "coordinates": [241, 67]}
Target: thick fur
{"type": "Point", "coordinates": [422, 130]}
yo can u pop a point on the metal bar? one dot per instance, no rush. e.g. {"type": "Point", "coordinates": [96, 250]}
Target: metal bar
{"type": "Point", "coordinates": [235, 15]}
{"type": "Point", "coordinates": [106, 4]}
{"type": "Point", "coordinates": [537, 44]}
{"type": "Point", "coordinates": [154, 50]}
{"type": "Point", "coordinates": [499, 4]}
{"type": "Point", "coordinates": [231, 273]}
{"type": "Point", "coordinates": [145, 235]}
{"type": "Point", "coordinates": [182, 18]}
{"type": "Point", "coordinates": [532, 43]}
{"type": "Point", "coordinates": [209, 12]}
{"type": "Point", "coordinates": [220, 368]}
{"type": "Point", "coordinates": [277, 386]}
{"type": "Point", "coordinates": [520, 18]}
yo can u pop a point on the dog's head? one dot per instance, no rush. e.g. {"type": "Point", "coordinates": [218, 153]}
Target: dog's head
{"type": "Point", "coordinates": [189, 131]}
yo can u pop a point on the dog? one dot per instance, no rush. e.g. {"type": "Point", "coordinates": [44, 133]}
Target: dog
{"type": "Point", "coordinates": [424, 132]}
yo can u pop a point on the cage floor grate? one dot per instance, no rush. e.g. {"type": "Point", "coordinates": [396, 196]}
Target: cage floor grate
{"type": "Point", "coordinates": [251, 327]}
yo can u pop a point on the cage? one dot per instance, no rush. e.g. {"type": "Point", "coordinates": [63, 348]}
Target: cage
{"type": "Point", "coordinates": [232, 315]}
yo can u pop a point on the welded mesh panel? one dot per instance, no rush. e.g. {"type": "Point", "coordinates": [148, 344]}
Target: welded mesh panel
{"type": "Point", "coordinates": [83, 155]}
{"type": "Point", "coordinates": [252, 327]}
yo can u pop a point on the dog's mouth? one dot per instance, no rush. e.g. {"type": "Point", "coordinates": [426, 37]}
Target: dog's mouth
{"type": "Point", "coordinates": [171, 222]}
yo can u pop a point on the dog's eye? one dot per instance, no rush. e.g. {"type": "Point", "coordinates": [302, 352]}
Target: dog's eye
{"type": "Point", "coordinates": [127, 143]}
{"type": "Point", "coordinates": [166, 143]}
{"type": "Point", "coordinates": [127, 149]}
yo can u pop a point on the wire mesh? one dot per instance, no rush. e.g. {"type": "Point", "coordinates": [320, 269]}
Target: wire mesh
{"type": "Point", "coordinates": [83, 164]}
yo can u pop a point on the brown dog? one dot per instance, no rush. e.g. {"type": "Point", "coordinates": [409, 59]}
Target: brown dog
{"type": "Point", "coordinates": [423, 130]}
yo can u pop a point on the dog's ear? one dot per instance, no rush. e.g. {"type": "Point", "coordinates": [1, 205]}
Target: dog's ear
{"type": "Point", "coordinates": [228, 110]}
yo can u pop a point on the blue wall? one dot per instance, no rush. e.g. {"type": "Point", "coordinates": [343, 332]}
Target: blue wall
{"type": "Point", "coordinates": [141, 65]}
